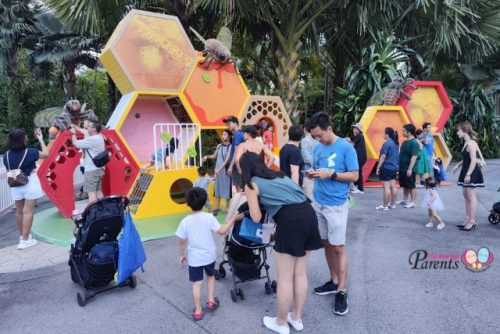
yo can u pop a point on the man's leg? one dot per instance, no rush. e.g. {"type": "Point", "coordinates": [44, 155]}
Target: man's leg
{"type": "Point", "coordinates": [330, 260]}
{"type": "Point", "coordinates": [341, 263]}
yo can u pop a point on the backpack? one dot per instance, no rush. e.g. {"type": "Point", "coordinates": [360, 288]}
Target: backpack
{"type": "Point", "coordinates": [16, 177]}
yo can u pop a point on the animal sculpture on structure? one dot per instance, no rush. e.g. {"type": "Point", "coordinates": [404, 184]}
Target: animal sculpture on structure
{"type": "Point", "coordinates": [217, 49]}
{"type": "Point", "coordinates": [395, 90]}
{"type": "Point", "coordinates": [73, 113]}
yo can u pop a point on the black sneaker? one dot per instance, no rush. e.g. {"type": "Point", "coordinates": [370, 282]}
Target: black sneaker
{"type": "Point", "coordinates": [326, 289]}
{"type": "Point", "coordinates": [341, 303]}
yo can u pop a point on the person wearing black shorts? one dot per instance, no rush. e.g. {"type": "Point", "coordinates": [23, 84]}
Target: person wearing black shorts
{"type": "Point", "coordinates": [407, 164]}
{"type": "Point", "coordinates": [387, 169]}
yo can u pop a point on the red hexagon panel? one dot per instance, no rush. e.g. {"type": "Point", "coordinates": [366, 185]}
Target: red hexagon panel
{"type": "Point", "coordinates": [428, 103]}
{"type": "Point", "coordinates": [56, 172]}
{"type": "Point", "coordinates": [149, 51]}
{"type": "Point", "coordinates": [215, 93]}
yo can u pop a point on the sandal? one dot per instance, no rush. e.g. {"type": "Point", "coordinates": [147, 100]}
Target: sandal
{"type": "Point", "coordinates": [213, 305]}
{"type": "Point", "coordinates": [198, 316]}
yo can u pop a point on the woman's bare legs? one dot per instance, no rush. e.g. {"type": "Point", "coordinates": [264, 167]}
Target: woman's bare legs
{"type": "Point", "coordinates": [471, 200]}
{"type": "Point", "coordinates": [386, 192]}
{"type": "Point", "coordinates": [394, 191]}
{"type": "Point", "coordinates": [19, 216]}
{"type": "Point", "coordinates": [300, 284]}
{"type": "Point", "coordinates": [28, 210]}
{"type": "Point", "coordinates": [285, 268]}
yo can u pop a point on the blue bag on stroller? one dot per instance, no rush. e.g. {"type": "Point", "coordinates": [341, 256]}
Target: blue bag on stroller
{"type": "Point", "coordinates": [132, 255]}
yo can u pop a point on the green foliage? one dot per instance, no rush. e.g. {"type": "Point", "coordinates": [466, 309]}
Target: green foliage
{"type": "Point", "coordinates": [92, 89]}
{"type": "Point", "coordinates": [476, 105]}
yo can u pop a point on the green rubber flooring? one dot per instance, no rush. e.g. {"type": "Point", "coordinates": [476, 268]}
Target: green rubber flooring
{"type": "Point", "coordinates": [50, 226]}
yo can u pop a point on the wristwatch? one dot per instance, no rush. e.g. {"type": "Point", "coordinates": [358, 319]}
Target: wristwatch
{"type": "Point", "coordinates": [334, 176]}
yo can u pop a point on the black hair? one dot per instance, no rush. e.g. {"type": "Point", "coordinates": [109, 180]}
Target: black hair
{"type": "Point", "coordinates": [425, 125]}
{"type": "Point", "coordinates": [251, 130]}
{"type": "Point", "coordinates": [96, 125]}
{"type": "Point", "coordinates": [431, 182]}
{"type": "Point", "coordinates": [320, 119]}
{"type": "Point", "coordinates": [295, 133]}
{"type": "Point", "coordinates": [410, 128]}
{"type": "Point", "coordinates": [229, 134]}
{"type": "Point", "coordinates": [418, 132]}
{"type": "Point", "coordinates": [393, 134]}
{"type": "Point", "coordinates": [196, 198]}
{"type": "Point", "coordinates": [253, 165]}
{"type": "Point", "coordinates": [202, 170]}
{"type": "Point", "coordinates": [16, 139]}
{"type": "Point", "coordinates": [174, 142]}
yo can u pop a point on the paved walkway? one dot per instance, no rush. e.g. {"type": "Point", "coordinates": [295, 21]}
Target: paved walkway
{"type": "Point", "coordinates": [386, 295]}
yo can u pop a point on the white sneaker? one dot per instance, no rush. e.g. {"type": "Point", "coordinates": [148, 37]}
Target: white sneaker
{"type": "Point", "coordinates": [357, 191]}
{"type": "Point", "coordinates": [23, 244]}
{"type": "Point", "coordinates": [409, 205]}
{"type": "Point", "coordinates": [440, 226]}
{"type": "Point", "coordinates": [381, 207]}
{"type": "Point", "coordinates": [392, 206]}
{"type": "Point", "coordinates": [429, 225]}
{"type": "Point", "coordinates": [402, 202]}
{"type": "Point", "coordinates": [296, 324]}
{"type": "Point", "coordinates": [270, 324]}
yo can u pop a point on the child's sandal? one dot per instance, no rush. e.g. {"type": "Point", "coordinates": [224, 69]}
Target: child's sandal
{"type": "Point", "coordinates": [198, 316]}
{"type": "Point", "coordinates": [213, 305]}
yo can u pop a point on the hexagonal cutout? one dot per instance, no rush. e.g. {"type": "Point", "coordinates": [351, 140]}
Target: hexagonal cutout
{"type": "Point", "coordinates": [215, 93]}
{"type": "Point", "coordinates": [149, 51]}
{"type": "Point", "coordinates": [272, 110]}
{"type": "Point", "coordinates": [428, 103]}
{"type": "Point", "coordinates": [374, 121]}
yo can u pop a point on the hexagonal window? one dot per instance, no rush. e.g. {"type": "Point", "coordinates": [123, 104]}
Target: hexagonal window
{"type": "Point", "coordinates": [429, 103]}
{"type": "Point", "coordinates": [375, 120]}
{"type": "Point", "coordinates": [215, 93]}
{"type": "Point", "coordinates": [149, 51]}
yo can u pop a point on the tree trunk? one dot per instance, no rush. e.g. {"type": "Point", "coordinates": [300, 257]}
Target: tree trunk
{"type": "Point", "coordinates": [12, 58]}
{"type": "Point", "coordinates": [329, 88]}
{"type": "Point", "coordinates": [69, 79]}
{"type": "Point", "coordinates": [111, 95]}
{"type": "Point", "coordinates": [288, 79]}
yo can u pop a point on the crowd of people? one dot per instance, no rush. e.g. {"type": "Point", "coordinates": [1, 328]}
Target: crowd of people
{"type": "Point", "coordinates": [307, 196]}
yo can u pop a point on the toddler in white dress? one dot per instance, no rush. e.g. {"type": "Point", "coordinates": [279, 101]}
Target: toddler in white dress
{"type": "Point", "coordinates": [432, 202]}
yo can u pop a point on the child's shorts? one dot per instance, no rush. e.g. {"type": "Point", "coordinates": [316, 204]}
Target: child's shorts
{"type": "Point", "coordinates": [196, 273]}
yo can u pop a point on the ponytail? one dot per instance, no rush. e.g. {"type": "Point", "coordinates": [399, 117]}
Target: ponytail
{"type": "Point", "coordinates": [393, 134]}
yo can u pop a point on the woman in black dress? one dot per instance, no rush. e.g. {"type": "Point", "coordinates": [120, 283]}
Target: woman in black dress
{"type": "Point", "coordinates": [470, 176]}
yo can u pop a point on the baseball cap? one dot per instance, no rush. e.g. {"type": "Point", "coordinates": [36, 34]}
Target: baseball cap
{"type": "Point", "coordinates": [231, 119]}
{"type": "Point", "coordinates": [358, 126]}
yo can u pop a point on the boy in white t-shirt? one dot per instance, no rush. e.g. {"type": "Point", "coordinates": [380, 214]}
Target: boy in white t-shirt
{"type": "Point", "coordinates": [195, 230]}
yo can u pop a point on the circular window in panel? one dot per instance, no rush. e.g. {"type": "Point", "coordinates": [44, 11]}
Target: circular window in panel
{"type": "Point", "coordinates": [179, 189]}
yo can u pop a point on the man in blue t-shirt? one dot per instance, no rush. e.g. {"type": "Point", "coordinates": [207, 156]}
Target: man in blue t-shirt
{"type": "Point", "coordinates": [238, 138]}
{"type": "Point", "coordinates": [335, 165]}
{"type": "Point", "coordinates": [428, 141]}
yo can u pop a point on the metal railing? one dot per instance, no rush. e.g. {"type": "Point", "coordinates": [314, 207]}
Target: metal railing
{"type": "Point", "coordinates": [6, 201]}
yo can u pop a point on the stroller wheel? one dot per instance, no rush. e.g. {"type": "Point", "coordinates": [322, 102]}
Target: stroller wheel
{"type": "Point", "coordinates": [222, 272]}
{"type": "Point", "coordinates": [81, 298]}
{"type": "Point", "coordinates": [133, 282]}
{"type": "Point", "coordinates": [492, 218]}
{"type": "Point", "coordinates": [216, 275]}
{"type": "Point", "coordinates": [233, 296]}
{"type": "Point", "coordinates": [268, 288]}
{"type": "Point", "coordinates": [240, 293]}
{"type": "Point", "coordinates": [74, 275]}
{"type": "Point", "coordinates": [274, 285]}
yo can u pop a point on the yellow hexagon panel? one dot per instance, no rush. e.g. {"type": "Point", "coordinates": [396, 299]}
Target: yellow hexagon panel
{"type": "Point", "coordinates": [215, 93]}
{"type": "Point", "coordinates": [149, 51]}
{"type": "Point", "coordinates": [272, 110]}
{"type": "Point", "coordinates": [374, 121]}
{"type": "Point", "coordinates": [442, 150]}
{"type": "Point", "coordinates": [135, 117]}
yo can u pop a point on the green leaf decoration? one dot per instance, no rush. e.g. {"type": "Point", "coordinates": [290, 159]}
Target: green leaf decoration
{"type": "Point", "coordinates": [206, 77]}
{"type": "Point", "coordinates": [165, 136]}
{"type": "Point", "coordinates": [191, 152]}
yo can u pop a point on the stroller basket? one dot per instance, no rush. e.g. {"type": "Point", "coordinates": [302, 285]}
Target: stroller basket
{"type": "Point", "coordinates": [246, 264]}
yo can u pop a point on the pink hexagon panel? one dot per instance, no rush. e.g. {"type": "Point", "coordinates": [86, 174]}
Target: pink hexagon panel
{"type": "Point", "coordinates": [149, 51]}
{"type": "Point", "coordinates": [428, 103]}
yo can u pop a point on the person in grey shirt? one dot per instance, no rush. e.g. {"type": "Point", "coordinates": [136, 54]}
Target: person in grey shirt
{"type": "Point", "coordinates": [92, 145]}
{"type": "Point", "coordinates": [306, 148]}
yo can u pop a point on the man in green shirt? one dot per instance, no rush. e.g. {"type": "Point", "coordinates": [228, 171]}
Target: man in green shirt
{"type": "Point", "coordinates": [407, 164]}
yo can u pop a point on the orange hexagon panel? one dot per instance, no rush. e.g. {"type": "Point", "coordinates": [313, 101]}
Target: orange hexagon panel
{"type": "Point", "coordinates": [428, 103]}
{"type": "Point", "coordinates": [442, 150]}
{"type": "Point", "coordinates": [149, 51]}
{"type": "Point", "coordinates": [374, 121]}
{"type": "Point", "coordinates": [215, 93]}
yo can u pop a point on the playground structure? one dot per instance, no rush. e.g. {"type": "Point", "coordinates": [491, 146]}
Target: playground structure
{"type": "Point", "coordinates": [166, 94]}
{"type": "Point", "coordinates": [429, 103]}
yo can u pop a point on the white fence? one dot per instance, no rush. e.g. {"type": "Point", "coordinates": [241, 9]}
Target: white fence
{"type": "Point", "coordinates": [5, 198]}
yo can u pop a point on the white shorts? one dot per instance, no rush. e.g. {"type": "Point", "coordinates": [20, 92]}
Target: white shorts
{"type": "Point", "coordinates": [332, 222]}
{"type": "Point", "coordinates": [30, 191]}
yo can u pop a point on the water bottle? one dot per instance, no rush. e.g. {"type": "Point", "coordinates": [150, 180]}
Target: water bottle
{"type": "Point", "coordinates": [267, 231]}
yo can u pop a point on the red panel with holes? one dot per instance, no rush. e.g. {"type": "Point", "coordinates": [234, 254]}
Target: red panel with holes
{"type": "Point", "coordinates": [56, 172]}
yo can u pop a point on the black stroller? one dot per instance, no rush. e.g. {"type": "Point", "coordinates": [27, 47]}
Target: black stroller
{"type": "Point", "coordinates": [246, 260]}
{"type": "Point", "coordinates": [494, 216]}
{"type": "Point", "coordinates": [94, 255]}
